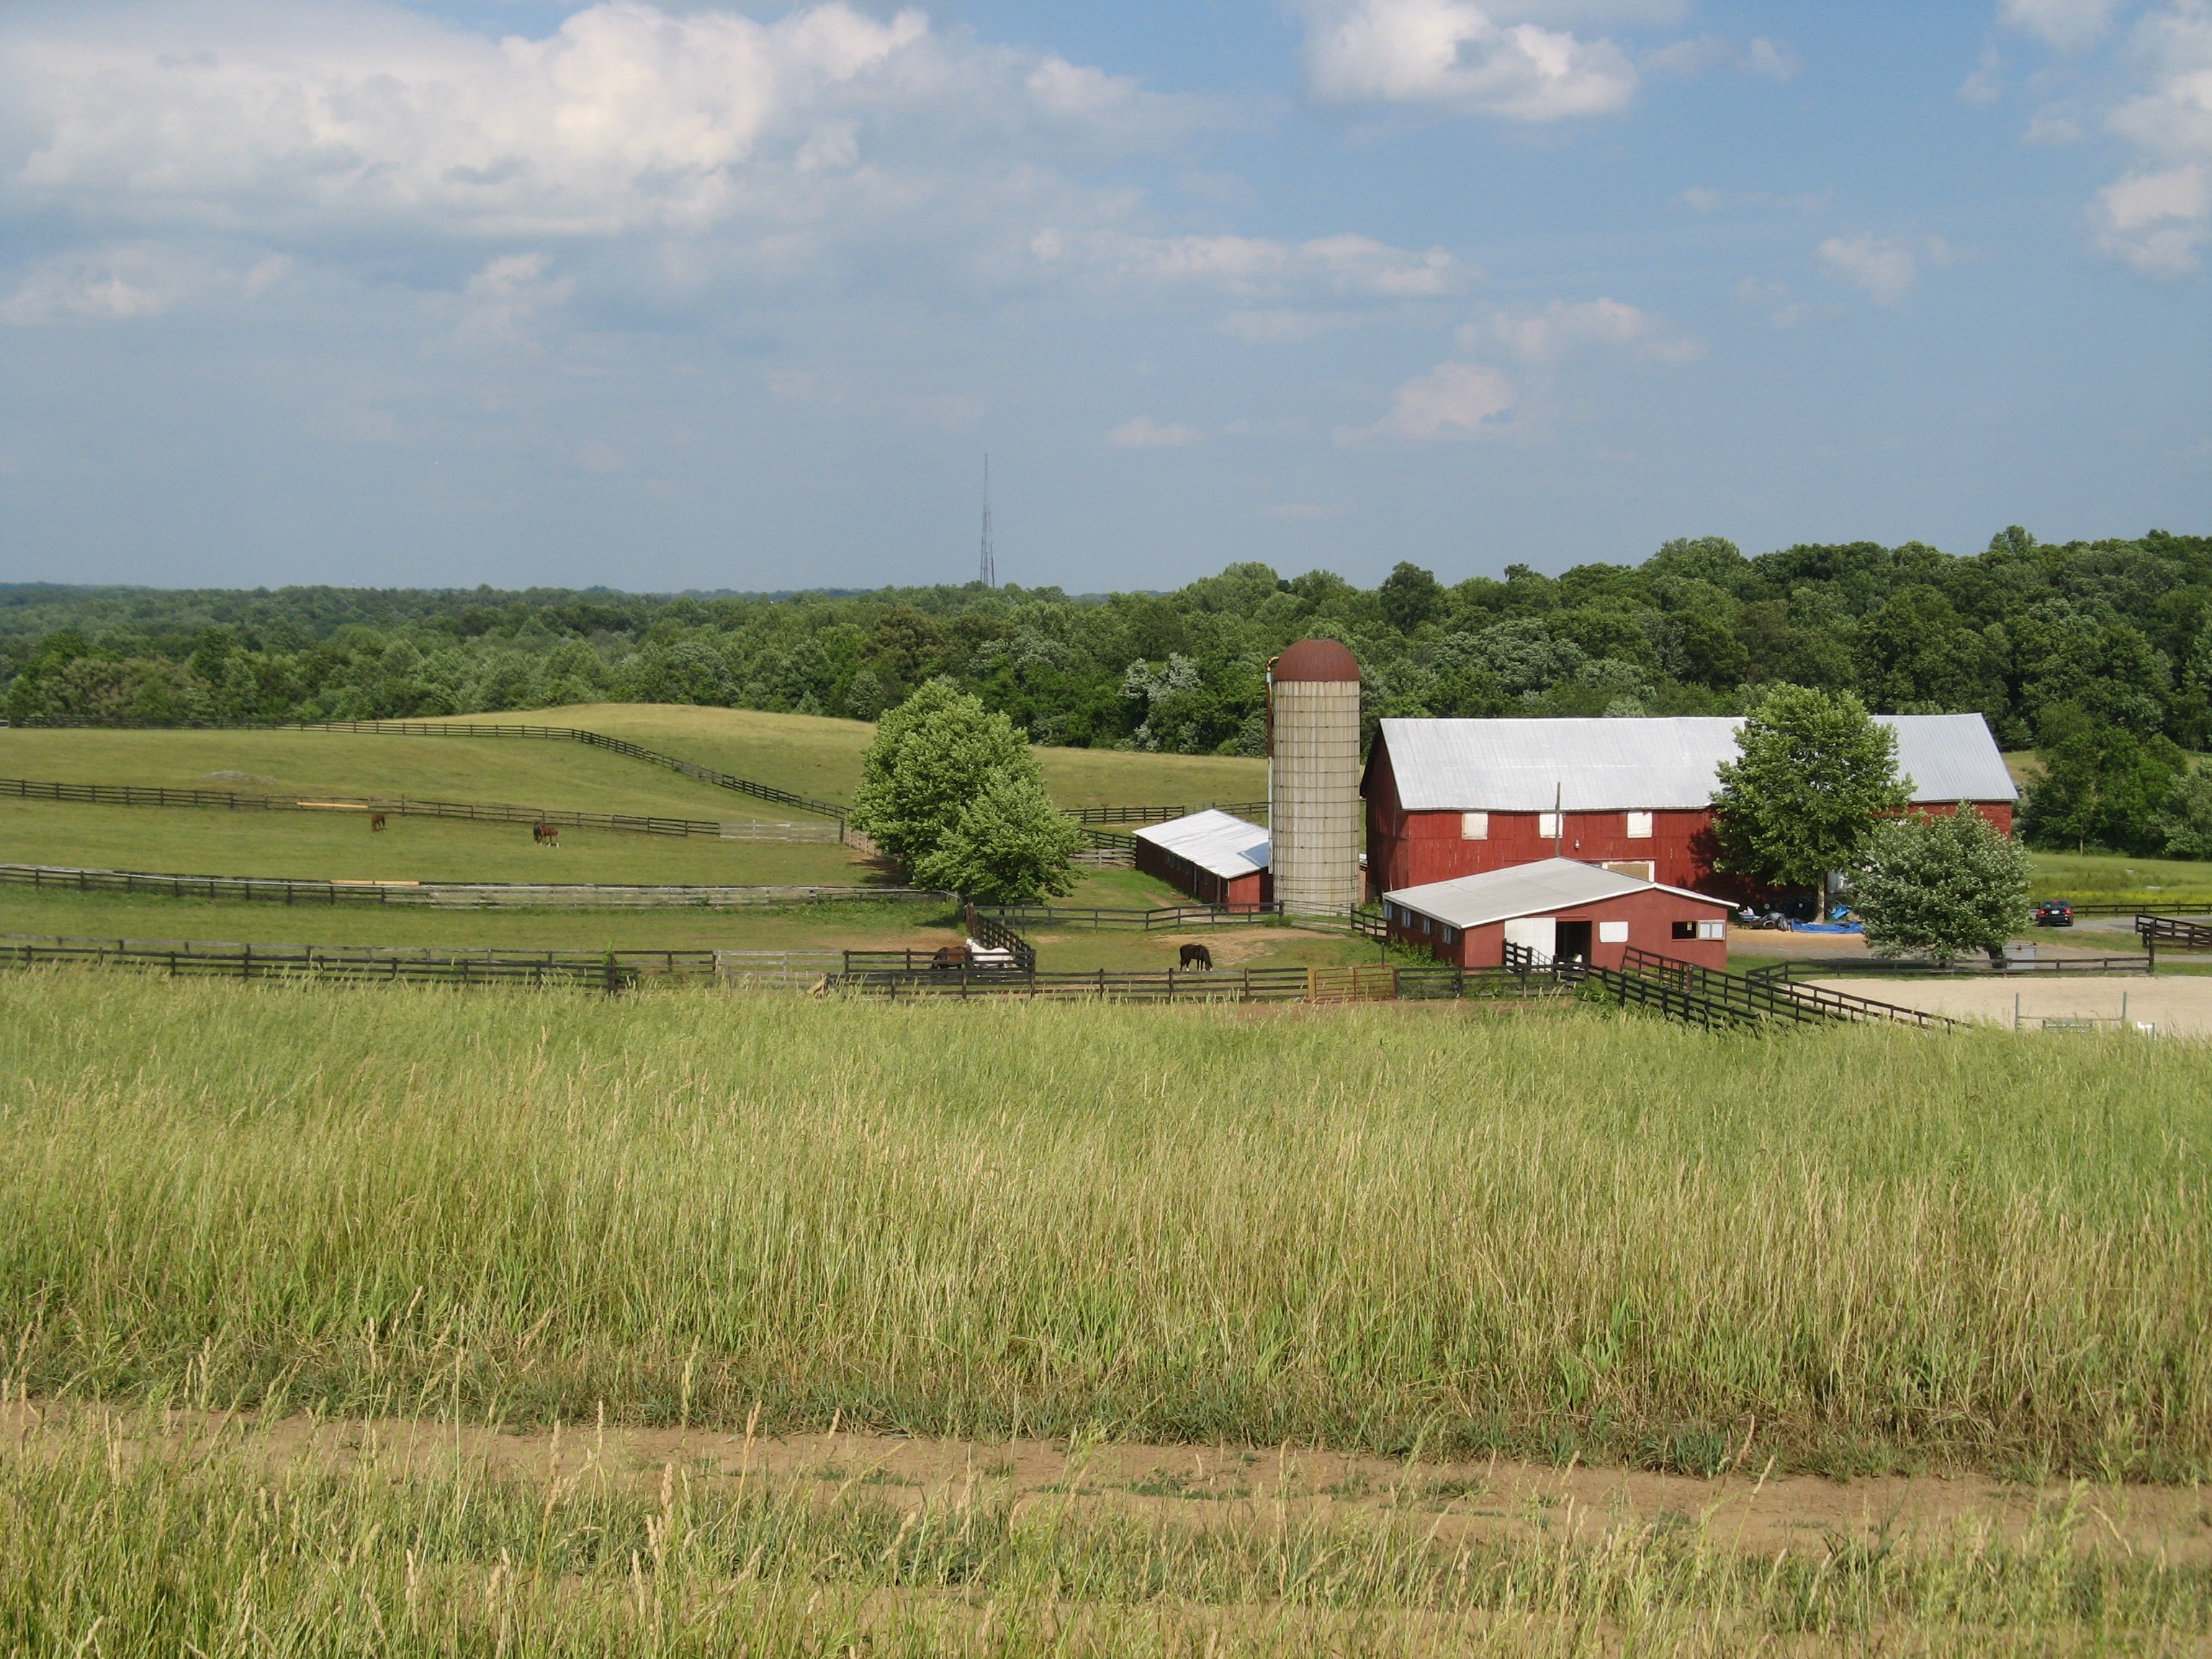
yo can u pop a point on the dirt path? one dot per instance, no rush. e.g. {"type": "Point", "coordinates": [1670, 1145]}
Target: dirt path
{"type": "Point", "coordinates": [1202, 1484]}
{"type": "Point", "coordinates": [2177, 1005]}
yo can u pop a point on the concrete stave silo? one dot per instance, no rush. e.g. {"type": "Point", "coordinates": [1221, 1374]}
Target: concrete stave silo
{"type": "Point", "coordinates": [1315, 815]}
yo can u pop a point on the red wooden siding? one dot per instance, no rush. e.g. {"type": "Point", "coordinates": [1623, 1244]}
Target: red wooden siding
{"type": "Point", "coordinates": [1650, 916]}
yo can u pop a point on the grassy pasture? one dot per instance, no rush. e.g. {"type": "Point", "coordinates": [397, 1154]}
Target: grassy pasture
{"type": "Point", "coordinates": [340, 846]}
{"type": "Point", "coordinates": [1380, 1227]}
{"type": "Point", "coordinates": [152, 1538]}
{"type": "Point", "coordinates": [2114, 878]}
{"type": "Point", "coordinates": [818, 756]}
{"type": "Point", "coordinates": [522, 774]}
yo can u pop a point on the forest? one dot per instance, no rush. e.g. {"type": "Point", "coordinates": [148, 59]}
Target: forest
{"type": "Point", "coordinates": [2096, 654]}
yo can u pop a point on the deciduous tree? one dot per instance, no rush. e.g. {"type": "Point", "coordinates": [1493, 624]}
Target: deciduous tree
{"type": "Point", "coordinates": [1816, 773]}
{"type": "Point", "coordinates": [1941, 885]}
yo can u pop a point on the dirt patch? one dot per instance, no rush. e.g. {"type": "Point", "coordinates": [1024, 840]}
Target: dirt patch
{"type": "Point", "coordinates": [2174, 1005]}
{"type": "Point", "coordinates": [1493, 1498]}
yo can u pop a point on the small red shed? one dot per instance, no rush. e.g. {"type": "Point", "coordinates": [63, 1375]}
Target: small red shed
{"type": "Point", "coordinates": [1562, 910]}
{"type": "Point", "coordinates": [1214, 856]}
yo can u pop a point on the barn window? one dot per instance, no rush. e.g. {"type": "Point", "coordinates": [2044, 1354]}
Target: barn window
{"type": "Point", "coordinates": [1451, 935]}
{"type": "Point", "coordinates": [1547, 825]}
{"type": "Point", "coordinates": [1475, 826]}
{"type": "Point", "coordinates": [1686, 930]}
{"type": "Point", "coordinates": [1613, 933]}
{"type": "Point", "coordinates": [1639, 826]}
{"type": "Point", "coordinates": [1713, 930]}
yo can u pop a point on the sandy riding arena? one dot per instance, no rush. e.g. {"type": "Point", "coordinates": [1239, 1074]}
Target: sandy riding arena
{"type": "Point", "coordinates": [2177, 1005]}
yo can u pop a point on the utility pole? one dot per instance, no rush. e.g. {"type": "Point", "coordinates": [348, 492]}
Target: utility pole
{"type": "Point", "coordinates": [989, 576]}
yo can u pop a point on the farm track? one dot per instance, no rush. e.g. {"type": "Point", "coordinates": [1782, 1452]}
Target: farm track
{"type": "Point", "coordinates": [1494, 1500]}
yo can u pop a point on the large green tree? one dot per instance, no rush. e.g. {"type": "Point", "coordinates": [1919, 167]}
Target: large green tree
{"type": "Point", "coordinates": [1941, 885]}
{"type": "Point", "coordinates": [952, 791]}
{"type": "Point", "coordinates": [2101, 787]}
{"type": "Point", "coordinates": [1814, 773]}
{"type": "Point", "coordinates": [1009, 845]}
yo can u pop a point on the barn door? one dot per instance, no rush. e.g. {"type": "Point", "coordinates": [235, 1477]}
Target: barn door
{"type": "Point", "coordinates": [1535, 934]}
{"type": "Point", "coordinates": [1571, 942]}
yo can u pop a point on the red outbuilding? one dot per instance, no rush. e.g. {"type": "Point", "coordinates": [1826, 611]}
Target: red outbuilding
{"type": "Point", "coordinates": [1455, 798]}
{"type": "Point", "coordinates": [1214, 856]}
{"type": "Point", "coordinates": [1559, 910]}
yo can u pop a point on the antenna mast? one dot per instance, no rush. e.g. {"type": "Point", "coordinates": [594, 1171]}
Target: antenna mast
{"type": "Point", "coordinates": [990, 570]}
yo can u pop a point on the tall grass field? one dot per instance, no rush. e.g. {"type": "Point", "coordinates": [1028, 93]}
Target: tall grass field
{"type": "Point", "coordinates": [1387, 1228]}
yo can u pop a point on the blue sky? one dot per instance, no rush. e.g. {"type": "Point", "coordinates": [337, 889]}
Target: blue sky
{"type": "Point", "coordinates": [669, 296]}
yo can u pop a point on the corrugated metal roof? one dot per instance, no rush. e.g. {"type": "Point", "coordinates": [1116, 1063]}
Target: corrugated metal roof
{"type": "Point", "coordinates": [1614, 765]}
{"type": "Point", "coordinates": [1212, 840]}
{"type": "Point", "coordinates": [1527, 889]}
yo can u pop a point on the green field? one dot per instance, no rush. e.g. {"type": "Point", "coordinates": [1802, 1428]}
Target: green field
{"type": "Point", "coordinates": [2114, 878]}
{"type": "Point", "coordinates": [340, 846]}
{"type": "Point", "coordinates": [811, 756]}
{"type": "Point", "coordinates": [1860, 1250]}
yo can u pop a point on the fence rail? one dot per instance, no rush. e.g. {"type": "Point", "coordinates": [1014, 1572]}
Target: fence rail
{"type": "Point", "coordinates": [601, 969]}
{"type": "Point", "coordinates": [2175, 933]}
{"type": "Point", "coordinates": [597, 740]}
{"type": "Point", "coordinates": [1162, 814]}
{"type": "Point", "coordinates": [448, 895]}
{"type": "Point", "coordinates": [129, 794]}
{"type": "Point", "coordinates": [1836, 967]}
{"type": "Point", "coordinates": [1714, 997]}
{"type": "Point", "coordinates": [1170, 915]}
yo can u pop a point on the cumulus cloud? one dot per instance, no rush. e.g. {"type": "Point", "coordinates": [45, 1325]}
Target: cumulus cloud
{"type": "Point", "coordinates": [1543, 336]}
{"type": "Point", "coordinates": [1708, 54]}
{"type": "Point", "coordinates": [1884, 268]}
{"type": "Point", "coordinates": [1455, 54]}
{"type": "Point", "coordinates": [1452, 400]}
{"type": "Point", "coordinates": [130, 282]}
{"type": "Point", "coordinates": [1347, 264]}
{"type": "Point", "coordinates": [2068, 24]}
{"type": "Point", "coordinates": [2157, 216]}
{"type": "Point", "coordinates": [1146, 433]}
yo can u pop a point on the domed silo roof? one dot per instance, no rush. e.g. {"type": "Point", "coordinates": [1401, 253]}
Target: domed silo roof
{"type": "Point", "coordinates": [1316, 659]}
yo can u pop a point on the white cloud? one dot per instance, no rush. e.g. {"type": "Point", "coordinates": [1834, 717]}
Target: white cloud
{"type": "Point", "coordinates": [2155, 221]}
{"type": "Point", "coordinates": [1884, 268]}
{"type": "Point", "coordinates": [1702, 199]}
{"type": "Point", "coordinates": [1543, 336]}
{"type": "Point", "coordinates": [1709, 54]}
{"type": "Point", "coordinates": [502, 299]}
{"type": "Point", "coordinates": [1281, 325]}
{"type": "Point", "coordinates": [1454, 54]}
{"type": "Point", "coordinates": [2067, 24]}
{"type": "Point", "coordinates": [1355, 265]}
{"type": "Point", "coordinates": [131, 282]}
{"type": "Point", "coordinates": [2157, 216]}
{"type": "Point", "coordinates": [1452, 400]}
{"type": "Point", "coordinates": [1145, 433]}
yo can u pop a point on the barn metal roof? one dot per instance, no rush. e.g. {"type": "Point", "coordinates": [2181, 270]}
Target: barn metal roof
{"type": "Point", "coordinates": [1613, 765]}
{"type": "Point", "coordinates": [1527, 889]}
{"type": "Point", "coordinates": [1212, 840]}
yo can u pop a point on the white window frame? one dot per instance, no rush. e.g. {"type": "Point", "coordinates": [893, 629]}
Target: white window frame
{"type": "Point", "coordinates": [1475, 826]}
{"type": "Point", "coordinates": [1639, 826]}
{"type": "Point", "coordinates": [1613, 933]}
{"type": "Point", "coordinates": [1548, 827]}
{"type": "Point", "coordinates": [1713, 930]}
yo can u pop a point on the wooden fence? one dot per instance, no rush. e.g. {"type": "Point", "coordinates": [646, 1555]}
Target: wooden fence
{"type": "Point", "coordinates": [126, 794]}
{"type": "Point", "coordinates": [1171, 916]}
{"type": "Point", "coordinates": [477, 896]}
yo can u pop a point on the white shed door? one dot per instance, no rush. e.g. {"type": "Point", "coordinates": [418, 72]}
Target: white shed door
{"type": "Point", "coordinates": [1538, 933]}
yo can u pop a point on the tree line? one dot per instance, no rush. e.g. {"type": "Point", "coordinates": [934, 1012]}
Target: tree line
{"type": "Point", "coordinates": [2097, 654]}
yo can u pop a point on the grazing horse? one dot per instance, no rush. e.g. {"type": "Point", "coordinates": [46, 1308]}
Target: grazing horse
{"type": "Point", "coordinates": [1196, 956]}
{"type": "Point", "coordinates": [375, 821]}
{"type": "Point", "coordinates": [949, 959]}
{"type": "Point", "coordinates": [545, 834]}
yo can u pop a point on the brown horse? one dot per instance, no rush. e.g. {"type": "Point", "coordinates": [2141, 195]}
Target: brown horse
{"type": "Point", "coordinates": [949, 959]}
{"type": "Point", "coordinates": [375, 821]}
{"type": "Point", "coordinates": [545, 834]}
{"type": "Point", "coordinates": [1195, 956]}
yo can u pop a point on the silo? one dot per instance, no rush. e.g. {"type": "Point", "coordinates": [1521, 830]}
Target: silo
{"type": "Point", "coordinates": [1314, 816]}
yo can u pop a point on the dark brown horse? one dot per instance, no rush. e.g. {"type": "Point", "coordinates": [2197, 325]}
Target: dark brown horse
{"type": "Point", "coordinates": [545, 834]}
{"type": "Point", "coordinates": [375, 821]}
{"type": "Point", "coordinates": [948, 959]}
{"type": "Point", "coordinates": [1195, 956]}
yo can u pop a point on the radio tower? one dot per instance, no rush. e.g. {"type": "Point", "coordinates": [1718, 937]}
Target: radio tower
{"type": "Point", "coordinates": [990, 571]}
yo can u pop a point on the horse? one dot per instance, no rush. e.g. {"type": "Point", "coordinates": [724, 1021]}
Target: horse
{"type": "Point", "coordinates": [375, 821]}
{"type": "Point", "coordinates": [545, 834]}
{"type": "Point", "coordinates": [948, 959]}
{"type": "Point", "coordinates": [1196, 956]}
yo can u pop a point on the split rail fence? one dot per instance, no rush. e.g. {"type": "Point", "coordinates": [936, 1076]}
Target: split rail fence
{"type": "Point", "coordinates": [465, 896]}
{"type": "Point", "coordinates": [126, 794]}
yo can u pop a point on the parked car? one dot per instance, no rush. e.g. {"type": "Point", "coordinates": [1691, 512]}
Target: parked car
{"type": "Point", "coordinates": [2054, 913]}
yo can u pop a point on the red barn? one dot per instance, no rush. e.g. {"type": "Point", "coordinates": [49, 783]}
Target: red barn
{"type": "Point", "coordinates": [1453, 798]}
{"type": "Point", "coordinates": [1215, 857]}
{"type": "Point", "coordinates": [1562, 911]}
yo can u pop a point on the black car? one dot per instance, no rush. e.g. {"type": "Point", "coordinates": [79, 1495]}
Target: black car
{"type": "Point", "coordinates": [2054, 913]}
